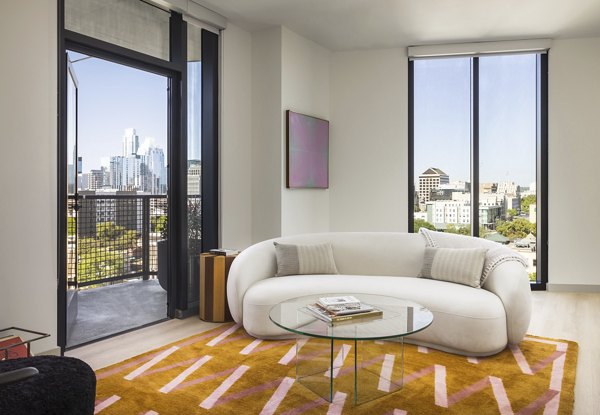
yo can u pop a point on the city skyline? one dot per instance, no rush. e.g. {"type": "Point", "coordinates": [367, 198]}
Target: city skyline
{"type": "Point", "coordinates": [112, 98]}
{"type": "Point", "coordinates": [140, 166]}
{"type": "Point", "coordinates": [452, 180]}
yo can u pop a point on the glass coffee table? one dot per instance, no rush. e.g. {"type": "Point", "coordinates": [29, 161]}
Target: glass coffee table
{"type": "Point", "coordinates": [352, 357]}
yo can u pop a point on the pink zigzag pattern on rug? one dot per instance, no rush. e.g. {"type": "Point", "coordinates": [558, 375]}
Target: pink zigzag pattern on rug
{"type": "Point", "coordinates": [272, 344]}
{"type": "Point", "coordinates": [249, 391]}
{"type": "Point", "coordinates": [545, 362]}
{"type": "Point", "coordinates": [128, 365]}
{"type": "Point", "coordinates": [169, 367]}
{"type": "Point", "coordinates": [205, 378]}
{"type": "Point", "coordinates": [146, 358]}
{"type": "Point", "coordinates": [197, 339]}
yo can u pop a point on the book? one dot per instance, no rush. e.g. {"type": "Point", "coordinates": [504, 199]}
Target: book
{"type": "Point", "coordinates": [350, 309]}
{"type": "Point", "coordinates": [329, 317]}
{"type": "Point", "coordinates": [12, 346]}
{"type": "Point", "coordinates": [224, 252]}
{"type": "Point", "coordinates": [346, 301]}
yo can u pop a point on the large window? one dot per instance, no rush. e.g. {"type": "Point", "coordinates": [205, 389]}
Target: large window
{"type": "Point", "coordinates": [478, 140]}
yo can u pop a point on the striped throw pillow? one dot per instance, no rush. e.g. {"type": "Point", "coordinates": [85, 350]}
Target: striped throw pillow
{"type": "Point", "coordinates": [304, 259]}
{"type": "Point", "coordinates": [461, 266]}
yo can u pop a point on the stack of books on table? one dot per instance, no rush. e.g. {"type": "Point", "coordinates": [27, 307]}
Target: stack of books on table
{"type": "Point", "coordinates": [224, 252]}
{"type": "Point", "coordinates": [340, 309]}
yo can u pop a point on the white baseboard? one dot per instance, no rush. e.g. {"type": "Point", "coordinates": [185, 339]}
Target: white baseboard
{"type": "Point", "coordinates": [573, 288]}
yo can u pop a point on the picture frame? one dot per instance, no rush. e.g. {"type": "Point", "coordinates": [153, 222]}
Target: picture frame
{"type": "Point", "coordinates": [307, 155]}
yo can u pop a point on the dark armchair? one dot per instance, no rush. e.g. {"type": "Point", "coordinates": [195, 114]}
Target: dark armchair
{"type": "Point", "coordinates": [47, 385]}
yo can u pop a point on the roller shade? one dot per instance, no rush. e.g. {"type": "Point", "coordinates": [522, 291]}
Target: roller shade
{"type": "Point", "coordinates": [479, 48]}
{"type": "Point", "coordinates": [132, 24]}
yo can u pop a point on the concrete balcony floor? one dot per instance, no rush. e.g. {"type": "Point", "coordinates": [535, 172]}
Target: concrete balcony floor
{"type": "Point", "coordinates": [99, 312]}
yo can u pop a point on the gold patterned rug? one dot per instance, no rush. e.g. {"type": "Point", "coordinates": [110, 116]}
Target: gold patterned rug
{"type": "Point", "coordinates": [226, 371]}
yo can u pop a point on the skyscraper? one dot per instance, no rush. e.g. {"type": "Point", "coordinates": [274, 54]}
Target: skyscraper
{"type": "Point", "coordinates": [131, 142]}
{"type": "Point", "coordinates": [155, 162]}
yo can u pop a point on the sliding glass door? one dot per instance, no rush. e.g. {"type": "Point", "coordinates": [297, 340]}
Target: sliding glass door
{"type": "Point", "coordinates": [478, 140]}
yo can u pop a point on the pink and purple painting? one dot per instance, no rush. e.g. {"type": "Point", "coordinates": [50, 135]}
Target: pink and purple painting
{"type": "Point", "coordinates": [307, 151]}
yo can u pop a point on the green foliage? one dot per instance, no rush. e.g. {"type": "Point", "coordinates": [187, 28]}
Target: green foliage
{"type": "Point", "coordinates": [159, 224]}
{"type": "Point", "coordinates": [512, 213]}
{"type": "Point", "coordinates": [516, 229]}
{"type": "Point", "coordinates": [533, 276]}
{"type": "Point", "coordinates": [105, 255]}
{"type": "Point", "coordinates": [526, 201]}
{"type": "Point", "coordinates": [465, 230]}
{"type": "Point", "coordinates": [421, 223]}
{"type": "Point", "coordinates": [99, 263]}
{"type": "Point", "coordinates": [461, 230]}
{"type": "Point", "coordinates": [71, 226]}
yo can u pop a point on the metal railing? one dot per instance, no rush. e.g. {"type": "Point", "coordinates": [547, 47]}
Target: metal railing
{"type": "Point", "coordinates": [113, 237]}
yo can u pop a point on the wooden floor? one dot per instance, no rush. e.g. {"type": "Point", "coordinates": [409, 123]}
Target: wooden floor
{"type": "Point", "coordinates": [558, 315]}
{"type": "Point", "coordinates": [575, 317]}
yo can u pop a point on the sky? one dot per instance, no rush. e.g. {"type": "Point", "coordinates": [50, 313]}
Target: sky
{"type": "Point", "coordinates": [114, 97]}
{"type": "Point", "coordinates": [507, 117]}
{"type": "Point", "coordinates": [111, 98]}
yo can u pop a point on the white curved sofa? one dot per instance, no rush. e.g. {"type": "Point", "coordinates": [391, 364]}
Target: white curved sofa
{"type": "Point", "coordinates": [468, 321]}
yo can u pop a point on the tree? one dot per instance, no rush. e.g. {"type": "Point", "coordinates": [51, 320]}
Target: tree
{"type": "Point", "coordinates": [71, 226]}
{"type": "Point", "coordinates": [106, 254]}
{"type": "Point", "coordinates": [526, 201]}
{"type": "Point", "coordinates": [159, 224]}
{"type": "Point", "coordinates": [465, 230]}
{"type": "Point", "coordinates": [511, 213]}
{"type": "Point", "coordinates": [516, 229]}
{"type": "Point", "coordinates": [461, 230]}
{"type": "Point", "coordinates": [421, 223]}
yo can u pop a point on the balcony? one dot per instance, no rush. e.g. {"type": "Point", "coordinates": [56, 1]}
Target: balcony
{"type": "Point", "coordinates": [112, 263]}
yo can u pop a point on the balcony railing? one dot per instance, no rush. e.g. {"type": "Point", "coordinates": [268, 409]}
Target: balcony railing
{"type": "Point", "coordinates": [113, 237]}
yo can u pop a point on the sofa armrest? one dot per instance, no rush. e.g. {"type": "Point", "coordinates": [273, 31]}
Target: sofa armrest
{"type": "Point", "coordinates": [251, 265]}
{"type": "Point", "coordinates": [510, 282]}
{"type": "Point", "coordinates": [17, 375]}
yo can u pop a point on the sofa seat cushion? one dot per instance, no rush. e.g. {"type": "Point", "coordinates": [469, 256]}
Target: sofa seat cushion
{"type": "Point", "coordinates": [466, 320]}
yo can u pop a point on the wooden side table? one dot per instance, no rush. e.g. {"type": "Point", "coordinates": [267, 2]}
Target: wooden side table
{"type": "Point", "coordinates": [214, 270]}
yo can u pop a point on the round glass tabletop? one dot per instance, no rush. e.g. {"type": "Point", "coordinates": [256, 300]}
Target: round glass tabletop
{"type": "Point", "coordinates": [399, 318]}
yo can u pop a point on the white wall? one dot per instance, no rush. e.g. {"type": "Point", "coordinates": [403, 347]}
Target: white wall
{"type": "Point", "coordinates": [288, 72]}
{"type": "Point", "coordinates": [574, 154]}
{"type": "Point", "coordinates": [28, 105]}
{"type": "Point", "coordinates": [305, 89]}
{"type": "Point", "coordinates": [236, 139]}
{"type": "Point", "coordinates": [368, 152]}
{"type": "Point", "coordinates": [266, 134]}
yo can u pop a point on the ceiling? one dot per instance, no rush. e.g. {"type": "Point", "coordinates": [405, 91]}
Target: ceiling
{"type": "Point", "coordinates": [365, 24]}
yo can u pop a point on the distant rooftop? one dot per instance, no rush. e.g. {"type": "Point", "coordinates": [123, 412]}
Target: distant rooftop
{"type": "Point", "coordinates": [434, 170]}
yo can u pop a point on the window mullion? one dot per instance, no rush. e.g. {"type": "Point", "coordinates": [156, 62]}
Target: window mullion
{"type": "Point", "coordinates": [475, 146]}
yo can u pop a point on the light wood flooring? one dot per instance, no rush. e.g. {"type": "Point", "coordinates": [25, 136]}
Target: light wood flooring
{"type": "Point", "coordinates": [571, 316]}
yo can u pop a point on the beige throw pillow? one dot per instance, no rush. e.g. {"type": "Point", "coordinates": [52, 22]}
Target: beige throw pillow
{"type": "Point", "coordinates": [304, 259]}
{"type": "Point", "coordinates": [461, 266]}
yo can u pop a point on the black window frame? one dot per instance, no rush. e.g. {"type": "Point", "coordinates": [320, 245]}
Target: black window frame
{"type": "Point", "coordinates": [176, 71]}
{"type": "Point", "coordinates": [541, 159]}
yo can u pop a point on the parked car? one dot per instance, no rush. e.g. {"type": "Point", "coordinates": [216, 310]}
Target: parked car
{"type": "Point", "coordinates": [521, 243]}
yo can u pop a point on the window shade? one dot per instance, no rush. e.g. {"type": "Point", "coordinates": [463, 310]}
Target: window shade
{"type": "Point", "coordinates": [132, 24]}
{"type": "Point", "coordinates": [194, 43]}
{"type": "Point", "coordinates": [479, 48]}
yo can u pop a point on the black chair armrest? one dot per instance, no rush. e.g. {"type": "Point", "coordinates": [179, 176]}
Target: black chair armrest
{"type": "Point", "coordinates": [17, 375]}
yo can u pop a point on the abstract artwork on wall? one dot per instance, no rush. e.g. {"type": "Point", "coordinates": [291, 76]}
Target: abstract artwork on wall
{"type": "Point", "coordinates": [307, 151]}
